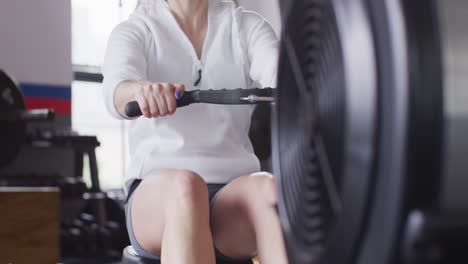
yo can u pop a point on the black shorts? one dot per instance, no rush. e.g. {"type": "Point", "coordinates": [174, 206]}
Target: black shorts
{"type": "Point", "coordinates": [213, 190]}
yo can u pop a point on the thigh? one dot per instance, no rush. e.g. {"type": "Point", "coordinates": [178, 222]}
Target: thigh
{"type": "Point", "coordinates": [235, 214]}
{"type": "Point", "coordinates": [151, 201]}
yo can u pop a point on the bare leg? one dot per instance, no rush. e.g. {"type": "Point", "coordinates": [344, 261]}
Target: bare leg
{"type": "Point", "coordinates": [244, 220]}
{"type": "Point", "coordinates": [170, 217]}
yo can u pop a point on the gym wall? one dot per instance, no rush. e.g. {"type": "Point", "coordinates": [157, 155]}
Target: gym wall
{"type": "Point", "coordinates": [35, 48]}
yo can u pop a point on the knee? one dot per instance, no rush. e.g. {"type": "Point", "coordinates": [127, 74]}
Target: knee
{"type": "Point", "coordinates": [265, 188]}
{"type": "Point", "coordinates": [189, 188]}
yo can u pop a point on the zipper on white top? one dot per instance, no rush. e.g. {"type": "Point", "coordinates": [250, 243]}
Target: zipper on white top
{"type": "Point", "coordinates": [198, 73]}
{"type": "Point", "coordinates": [198, 62]}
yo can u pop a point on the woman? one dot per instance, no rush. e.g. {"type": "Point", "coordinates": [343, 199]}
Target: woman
{"type": "Point", "coordinates": [163, 49]}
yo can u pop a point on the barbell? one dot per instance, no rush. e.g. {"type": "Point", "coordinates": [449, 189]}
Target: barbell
{"type": "Point", "coordinates": [14, 118]}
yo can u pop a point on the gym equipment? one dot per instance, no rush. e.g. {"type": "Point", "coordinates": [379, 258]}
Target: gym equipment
{"type": "Point", "coordinates": [370, 131]}
{"type": "Point", "coordinates": [85, 237]}
{"type": "Point", "coordinates": [223, 96]}
{"type": "Point", "coordinates": [71, 190]}
{"type": "Point", "coordinates": [30, 214]}
{"type": "Point", "coordinates": [92, 224]}
{"type": "Point", "coordinates": [81, 234]}
{"type": "Point", "coordinates": [13, 118]}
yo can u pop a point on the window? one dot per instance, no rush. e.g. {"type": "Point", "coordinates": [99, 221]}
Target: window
{"type": "Point", "coordinates": [92, 23]}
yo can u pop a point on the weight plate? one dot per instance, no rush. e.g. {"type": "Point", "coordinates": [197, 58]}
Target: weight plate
{"type": "Point", "coordinates": [12, 132]}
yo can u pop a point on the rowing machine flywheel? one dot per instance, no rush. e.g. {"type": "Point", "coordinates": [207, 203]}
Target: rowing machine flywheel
{"type": "Point", "coordinates": [359, 130]}
{"type": "Point", "coordinates": [324, 128]}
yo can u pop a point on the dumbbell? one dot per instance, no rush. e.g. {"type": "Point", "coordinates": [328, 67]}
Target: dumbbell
{"type": "Point", "coordinates": [14, 117]}
{"type": "Point", "coordinates": [118, 233]}
{"type": "Point", "coordinates": [97, 204]}
{"type": "Point", "coordinates": [71, 187]}
{"type": "Point", "coordinates": [89, 237]}
{"type": "Point", "coordinates": [100, 239]}
{"type": "Point", "coordinates": [72, 242]}
{"type": "Point", "coordinates": [103, 239]}
{"type": "Point", "coordinates": [65, 242]}
{"type": "Point", "coordinates": [107, 237]}
{"type": "Point", "coordinates": [111, 235]}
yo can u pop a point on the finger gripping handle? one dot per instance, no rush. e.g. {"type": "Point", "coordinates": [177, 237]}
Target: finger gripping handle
{"type": "Point", "coordinates": [133, 110]}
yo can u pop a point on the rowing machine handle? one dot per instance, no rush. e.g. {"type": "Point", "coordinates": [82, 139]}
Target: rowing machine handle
{"type": "Point", "coordinates": [224, 96]}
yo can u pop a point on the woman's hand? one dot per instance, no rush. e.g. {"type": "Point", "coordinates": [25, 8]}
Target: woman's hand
{"type": "Point", "coordinates": [157, 99]}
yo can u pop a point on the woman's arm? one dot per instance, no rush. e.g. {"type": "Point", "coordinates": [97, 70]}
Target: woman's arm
{"type": "Point", "coordinates": [125, 61]}
{"type": "Point", "coordinates": [154, 99]}
{"type": "Point", "coordinates": [262, 46]}
{"type": "Point", "coordinates": [124, 70]}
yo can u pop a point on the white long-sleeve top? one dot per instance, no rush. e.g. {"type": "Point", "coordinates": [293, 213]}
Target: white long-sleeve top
{"type": "Point", "coordinates": [240, 51]}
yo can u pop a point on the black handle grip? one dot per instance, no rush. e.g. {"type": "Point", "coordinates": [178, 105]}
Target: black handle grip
{"type": "Point", "coordinates": [227, 97]}
{"type": "Point", "coordinates": [132, 109]}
